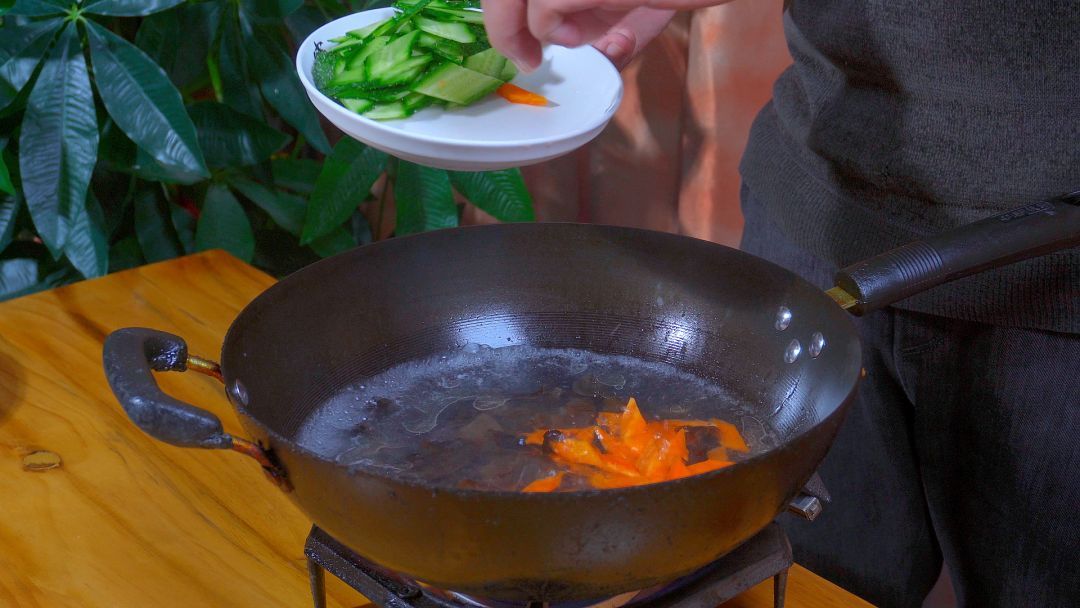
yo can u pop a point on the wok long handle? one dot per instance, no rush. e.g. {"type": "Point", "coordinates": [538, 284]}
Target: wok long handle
{"type": "Point", "coordinates": [130, 355]}
{"type": "Point", "coordinates": [1029, 231]}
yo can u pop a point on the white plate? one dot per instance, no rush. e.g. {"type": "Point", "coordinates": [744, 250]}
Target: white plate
{"type": "Point", "coordinates": [492, 134]}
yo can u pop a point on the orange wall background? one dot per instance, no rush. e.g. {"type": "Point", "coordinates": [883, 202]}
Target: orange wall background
{"type": "Point", "coordinates": [669, 159]}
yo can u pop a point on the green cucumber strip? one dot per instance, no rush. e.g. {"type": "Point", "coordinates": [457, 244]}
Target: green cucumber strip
{"type": "Point", "coordinates": [453, 14]}
{"type": "Point", "coordinates": [392, 54]}
{"type": "Point", "coordinates": [356, 62]}
{"type": "Point", "coordinates": [407, 71]}
{"type": "Point", "coordinates": [509, 72]}
{"type": "Point", "coordinates": [442, 47]}
{"type": "Point", "coordinates": [458, 32]}
{"type": "Point", "coordinates": [387, 111]}
{"type": "Point", "coordinates": [323, 70]}
{"type": "Point", "coordinates": [453, 83]}
{"type": "Point", "coordinates": [416, 101]}
{"type": "Point", "coordinates": [364, 32]}
{"type": "Point", "coordinates": [357, 105]}
{"type": "Point", "coordinates": [490, 62]}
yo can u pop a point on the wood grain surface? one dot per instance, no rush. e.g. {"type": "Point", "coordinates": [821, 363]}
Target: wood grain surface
{"type": "Point", "coordinates": [124, 520]}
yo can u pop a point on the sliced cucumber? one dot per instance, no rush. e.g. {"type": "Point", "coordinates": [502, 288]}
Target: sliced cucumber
{"type": "Point", "coordinates": [416, 101]}
{"type": "Point", "coordinates": [399, 73]}
{"type": "Point", "coordinates": [509, 71]}
{"type": "Point", "coordinates": [358, 105]}
{"type": "Point", "coordinates": [447, 49]}
{"type": "Point", "coordinates": [387, 111]}
{"type": "Point", "coordinates": [453, 83]}
{"type": "Point", "coordinates": [490, 62]}
{"type": "Point", "coordinates": [364, 32]}
{"type": "Point", "coordinates": [458, 32]}
{"type": "Point", "coordinates": [356, 62]}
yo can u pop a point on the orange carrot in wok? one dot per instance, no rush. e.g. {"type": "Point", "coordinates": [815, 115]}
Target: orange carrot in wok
{"type": "Point", "coordinates": [545, 484]}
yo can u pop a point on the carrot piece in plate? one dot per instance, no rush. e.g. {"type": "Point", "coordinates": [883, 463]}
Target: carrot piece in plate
{"type": "Point", "coordinates": [516, 94]}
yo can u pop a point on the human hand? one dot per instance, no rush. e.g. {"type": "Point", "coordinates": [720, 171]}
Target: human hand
{"type": "Point", "coordinates": [517, 28]}
{"type": "Point", "coordinates": [627, 38]}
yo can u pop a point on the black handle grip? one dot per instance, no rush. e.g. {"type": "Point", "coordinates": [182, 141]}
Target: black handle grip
{"type": "Point", "coordinates": [1029, 231]}
{"type": "Point", "coordinates": [129, 355]}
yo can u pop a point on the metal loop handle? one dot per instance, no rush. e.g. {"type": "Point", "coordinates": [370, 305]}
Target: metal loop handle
{"type": "Point", "coordinates": [131, 355]}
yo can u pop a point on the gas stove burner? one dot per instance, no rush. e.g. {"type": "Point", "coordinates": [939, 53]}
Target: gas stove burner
{"type": "Point", "coordinates": [765, 556]}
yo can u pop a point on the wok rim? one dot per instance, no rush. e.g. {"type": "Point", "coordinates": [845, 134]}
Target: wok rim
{"type": "Point", "coordinates": [353, 470]}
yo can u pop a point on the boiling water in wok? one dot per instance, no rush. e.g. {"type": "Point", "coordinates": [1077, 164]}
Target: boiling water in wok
{"type": "Point", "coordinates": [458, 420]}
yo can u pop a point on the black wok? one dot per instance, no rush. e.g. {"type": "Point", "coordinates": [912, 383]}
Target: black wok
{"type": "Point", "coordinates": [707, 309]}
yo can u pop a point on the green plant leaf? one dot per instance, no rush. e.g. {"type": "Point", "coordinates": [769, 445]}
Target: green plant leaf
{"type": "Point", "coordinates": [179, 40]}
{"type": "Point", "coordinates": [5, 6]}
{"type": "Point", "coordinates": [231, 139]}
{"type": "Point", "coordinates": [297, 174]}
{"type": "Point", "coordinates": [144, 103]}
{"type": "Point", "coordinates": [286, 210]}
{"type": "Point", "coordinates": [271, 8]}
{"type": "Point", "coordinates": [345, 181]}
{"type": "Point", "coordinates": [424, 199]}
{"type": "Point", "coordinates": [5, 177]}
{"type": "Point", "coordinates": [223, 225]}
{"type": "Point", "coordinates": [17, 276]}
{"type": "Point", "coordinates": [237, 89]}
{"type": "Point", "coordinates": [39, 8]}
{"type": "Point", "coordinates": [502, 194]}
{"type": "Point", "coordinates": [86, 248]}
{"type": "Point", "coordinates": [153, 225]}
{"type": "Point", "coordinates": [118, 153]}
{"type": "Point", "coordinates": [184, 224]}
{"type": "Point", "coordinates": [338, 241]}
{"type": "Point", "coordinates": [22, 46]}
{"type": "Point", "coordinates": [125, 254]}
{"type": "Point", "coordinates": [281, 88]}
{"type": "Point", "coordinates": [128, 8]}
{"type": "Point", "coordinates": [9, 212]}
{"type": "Point", "coordinates": [59, 141]}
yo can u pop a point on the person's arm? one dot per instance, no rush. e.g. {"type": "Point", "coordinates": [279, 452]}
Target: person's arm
{"type": "Point", "coordinates": [518, 28]}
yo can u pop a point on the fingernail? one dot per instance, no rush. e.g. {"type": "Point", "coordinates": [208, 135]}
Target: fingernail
{"type": "Point", "coordinates": [614, 50]}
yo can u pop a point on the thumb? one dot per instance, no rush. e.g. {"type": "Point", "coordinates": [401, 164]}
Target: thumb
{"type": "Point", "coordinates": [632, 33]}
{"type": "Point", "coordinates": [619, 45]}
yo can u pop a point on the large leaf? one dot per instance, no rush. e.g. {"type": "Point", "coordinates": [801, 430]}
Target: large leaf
{"type": "Point", "coordinates": [184, 224]}
{"type": "Point", "coordinates": [231, 139]}
{"type": "Point", "coordinates": [338, 241]}
{"type": "Point", "coordinates": [424, 199]}
{"type": "Point", "coordinates": [153, 226]}
{"type": "Point", "coordinates": [17, 276]}
{"type": "Point", "coordinates": [179, 40]}
{"type": "Point", "coordinates": [271, 8]}
{"type": "Point", "coordinates": [128, 8]}
{"type": "Point", "coordinates": [59, 140]}
{"type": "Point", "coordinates": [502, 194]}
{"type": "Point", "coordinates": [298, 174]}
{"type": "Point", "coordinates": [5, 177]}
{"type": "Point", "coordinates": [22, 46]}
{"type": "Point", "coordinates": [9, 212]}
{"type": "Point", "coordinates": [346, 180]}
{"type": "Point", "coordinates": [280, 86]}
{"type": "Point", "coordinates": [86, 248]}
{"type": "Point", "coordinates": [237, 88]}
{"type": "Point", "coordinates": [144, 103]}
{"type": "Point", "coordinates": [125, 254]}
{"type": "Point", "coordinates": [39, 8]}
{"type": "Point", "coordinates": [118, 153]}
{"type": "Point", "coordinates": [5, 6]}
{"type": "Point", "coordinates": [223, 225]}
{"type": "Point", "coordinates": [286, 210]}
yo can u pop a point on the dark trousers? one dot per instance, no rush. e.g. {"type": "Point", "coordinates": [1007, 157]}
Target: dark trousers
{"type": "Point", "coordinates": [964, 443]}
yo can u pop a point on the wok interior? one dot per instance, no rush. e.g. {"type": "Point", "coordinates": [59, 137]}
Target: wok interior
{"type": "Point", "coordinates": [706, 309]}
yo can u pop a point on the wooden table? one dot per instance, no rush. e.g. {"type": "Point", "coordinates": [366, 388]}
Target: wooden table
{"type": "Point", "coordinates": [128, 521]}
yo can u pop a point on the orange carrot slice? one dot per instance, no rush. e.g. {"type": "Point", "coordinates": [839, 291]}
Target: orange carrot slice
{"type": "Point", "coordinates": [707, 465]}
{"type": "Point", "coordinates": [516, 94]}
{"type": "Point", "coordinates": [545, 484]}
{"type": "Point", "coordinates": [730, 437]}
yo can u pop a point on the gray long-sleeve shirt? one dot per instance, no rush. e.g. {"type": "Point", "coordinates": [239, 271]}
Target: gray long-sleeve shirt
{"type": "Point", "coordinates": [901, 119]}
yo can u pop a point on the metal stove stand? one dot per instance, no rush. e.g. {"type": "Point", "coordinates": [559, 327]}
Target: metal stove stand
{"type": "Point", "coordinates": [767, 555]}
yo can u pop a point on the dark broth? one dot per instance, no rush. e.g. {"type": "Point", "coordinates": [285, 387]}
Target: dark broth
{"type": "Point", "coordinates": [457, 420]}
